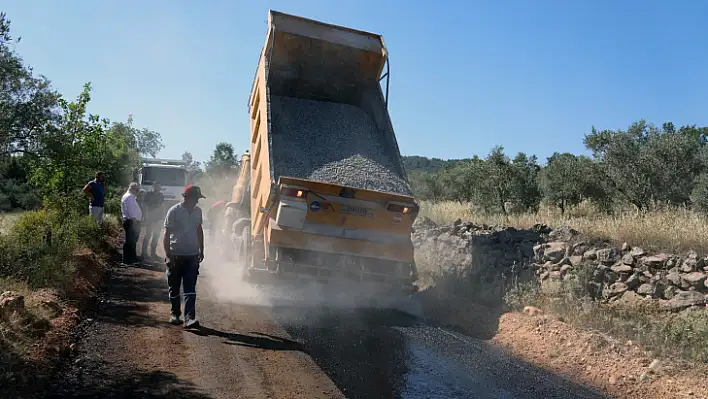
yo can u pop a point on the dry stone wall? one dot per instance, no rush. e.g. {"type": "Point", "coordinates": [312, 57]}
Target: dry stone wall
{"type": "Point", "coordinates": [489, 259]}
{"type": "Point", "coordinates": [673, 281]}
{"type": "Point", "coordinates": [477, 260]}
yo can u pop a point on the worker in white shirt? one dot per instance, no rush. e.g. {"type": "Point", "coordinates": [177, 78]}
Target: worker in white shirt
{"type": "Point", "coordinates": [132, 215]}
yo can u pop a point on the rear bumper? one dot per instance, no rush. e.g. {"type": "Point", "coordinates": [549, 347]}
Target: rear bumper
{"type": "Point", "coordinates": [379, 274]}
{"type": "Point", "coordinates": [298, 240]}
{"type": "Point", "coordinates": [276, 271]}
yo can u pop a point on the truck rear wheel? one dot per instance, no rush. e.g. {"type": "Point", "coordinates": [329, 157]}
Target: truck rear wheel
{"type": "Point", "coordinates": [243, 253]}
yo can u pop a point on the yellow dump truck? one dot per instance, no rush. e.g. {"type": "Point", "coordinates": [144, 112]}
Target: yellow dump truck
{"type": "Point", "coordinates": [322, 191]}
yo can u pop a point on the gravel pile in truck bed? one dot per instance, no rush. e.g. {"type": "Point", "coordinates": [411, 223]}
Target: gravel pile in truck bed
{"type": "Point", "coordinates": [332, 143]}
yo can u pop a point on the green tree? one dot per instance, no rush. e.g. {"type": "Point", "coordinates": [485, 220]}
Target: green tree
{"type": "Point", "coordinates": [146, 142]}
{"type": "Point", "coordinates": [76, 147]}
{"type": "Point", "coordinates": [223, 160]}
{"type": "Point", "coordinates": [28, 104]}
{"type": "Point", "coordinates": [526, 192]}
{"type": "Point", "coordinates": [699, 195]}
{"type": "Point", "coordinates": [564, 180]}
{"type": "Point", "coordinates": [625, 161]}
{"type": "Point", "coordinates": [16, 192]}
{"type": "Point", "coordinates": [494, 181]}
{"type": "Point", "coordinates": [194, 169]}
{"type": "Point", "coordinates": [646, 165]}
{"type": "Point", "coordinates": [427, 186]}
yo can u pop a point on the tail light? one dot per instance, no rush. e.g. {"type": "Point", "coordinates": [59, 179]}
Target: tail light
{"type": "Point", "coordinates": [293, 192]}
{"type": "Point", "coordinates": [398, 208]}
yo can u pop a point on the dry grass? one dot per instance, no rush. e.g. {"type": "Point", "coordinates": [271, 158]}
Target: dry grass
{"type": "Point", "coordinates": [671, 230]}
{"type": "Point", "coordinates": [7, 220]}
{"type": "Point", "coordinates": [680, 335]}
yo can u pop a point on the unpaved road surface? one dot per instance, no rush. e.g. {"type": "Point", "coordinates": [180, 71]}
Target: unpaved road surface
{"type": "Point", "coordinates": [261, 344]}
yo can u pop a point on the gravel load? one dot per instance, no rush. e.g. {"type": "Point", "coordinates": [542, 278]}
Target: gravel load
{"type": "Point", "coordinates": [332, 143]}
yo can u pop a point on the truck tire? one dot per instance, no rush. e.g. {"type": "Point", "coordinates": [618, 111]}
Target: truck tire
{"type": "Point", "coordinates": [243, 253]}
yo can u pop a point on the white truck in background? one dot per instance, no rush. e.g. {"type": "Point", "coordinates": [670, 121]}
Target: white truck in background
{"type": "Point", "coordinates": [170, 173]}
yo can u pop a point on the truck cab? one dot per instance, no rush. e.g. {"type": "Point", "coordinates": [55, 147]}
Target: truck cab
{"type": "Point", "coordinates": [171, 174]}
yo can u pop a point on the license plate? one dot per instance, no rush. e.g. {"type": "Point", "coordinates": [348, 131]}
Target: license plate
{"type": "Point", "coordinates": [356, 211]}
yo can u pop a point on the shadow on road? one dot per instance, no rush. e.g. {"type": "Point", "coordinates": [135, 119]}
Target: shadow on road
{"type": "Point", "coordinates": [254, 340]}
{"type": "Point", "coordinates": [98, 379]}
{"type": "Point", "coordinates": [126, 298]}
{"type": "Point", "coordinates": [152, 265]}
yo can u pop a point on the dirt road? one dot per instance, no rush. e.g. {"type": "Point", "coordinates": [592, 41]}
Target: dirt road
{"type": "Point", "coordinates": [269, 345]}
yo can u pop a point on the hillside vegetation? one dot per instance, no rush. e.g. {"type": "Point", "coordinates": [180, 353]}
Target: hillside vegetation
{"type": "Point", "coordinates": [643, 168]}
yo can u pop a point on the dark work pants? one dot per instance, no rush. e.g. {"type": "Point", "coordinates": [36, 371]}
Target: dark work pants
{"type": "Point", "coordinates": [151, 237]}
{"type": "Point", "coordinates": [183, 273]}
{"type": "Point", "coordinates": [130, 227]}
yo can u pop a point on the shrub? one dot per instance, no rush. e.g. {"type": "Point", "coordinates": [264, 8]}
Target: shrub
{"type": "Point", "coordinates": [38, 248]}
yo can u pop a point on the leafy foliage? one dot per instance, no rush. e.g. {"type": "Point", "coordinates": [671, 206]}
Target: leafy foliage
{"type": "Point", "coordinates": [223, 160]}
{"type": "Point", "coordinates": [50, 147]}
{"type": "Point", "coordinates": [28, 104]}
{"type": "Point", "coordinates": [645, 166]}
{"type": "Point", "coordinates": [194, 169]}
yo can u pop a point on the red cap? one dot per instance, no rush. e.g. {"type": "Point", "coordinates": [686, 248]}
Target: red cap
{"type": "Point", "coordinates": [192, 191]}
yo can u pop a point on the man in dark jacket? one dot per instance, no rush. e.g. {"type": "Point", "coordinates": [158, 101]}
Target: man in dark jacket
{"type": "Point", "coordinates": [153, 219]}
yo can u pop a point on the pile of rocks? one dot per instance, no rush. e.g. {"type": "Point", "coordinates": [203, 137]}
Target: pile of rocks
{"type": "Point", "coordinates": [675, 281]}
{"type": "Point", "coordinates": [482, 259]}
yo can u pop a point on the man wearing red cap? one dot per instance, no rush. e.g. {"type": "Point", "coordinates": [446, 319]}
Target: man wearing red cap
{"type": "Point", "coordinates": [184, 251]}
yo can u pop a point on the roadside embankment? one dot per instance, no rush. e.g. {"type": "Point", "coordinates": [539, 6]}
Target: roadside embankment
{"type": "Point", "coordinates": [631, 322]}
{"type": "Point", "coordinates": [50, 269]}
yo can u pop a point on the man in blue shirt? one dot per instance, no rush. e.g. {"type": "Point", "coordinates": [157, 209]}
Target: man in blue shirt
{"type": "Point", "coordinates": [96, 191]}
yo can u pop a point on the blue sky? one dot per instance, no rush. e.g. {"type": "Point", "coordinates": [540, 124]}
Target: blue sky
{"type": "Point", "coordinates": [533, 76]}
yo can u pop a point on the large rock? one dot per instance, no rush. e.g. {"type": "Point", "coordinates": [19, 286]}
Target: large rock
{"type": "Point", "coordinates": [637, 252]}
{"type": "Point", "coordinates": [689, 265]}
{"type": "Point", "coordinates": [576, 260]}
{"type": "Point", "coordinates": [695, 279]}
{"type": "Point", "coordinates": [565, 269]}
{"type": "Point", "coordinates": [633, 281]}
{"type": "Point", "coordinates": [563, 233]}
{"type": "Point", "coordinates": [646, 289]}
{"type": "Point", "coordinates": [674, 277]}
{"type": "Point", "coordinates": [685, 299]}
{"type": "Point", "coordinates": [655, 261]}
{"type": "Point", "coordinates": [670, 292]}
{"type": "Point", "coordinates": [616, 289]}
{"type": "Point", "coordinates": [621, 268]}
{"type": "Point", "coordinates": [607, 256]}
{"type": "Point", "coordinates": [590, 254]}
{"type": "Point", "coordinates": [673, 261]}
{"type": "Point", "coordinates": [630, 299]}
{"type": "Point", "coordinates": [11, 303]}
{"type": "Point", "coordinates": [555, 251]}
{"type": "Point", "coordinates": [628, 259]}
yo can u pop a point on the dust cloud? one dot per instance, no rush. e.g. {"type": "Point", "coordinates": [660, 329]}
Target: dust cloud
{"type": "Point", "coordinates": [224, 282]}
